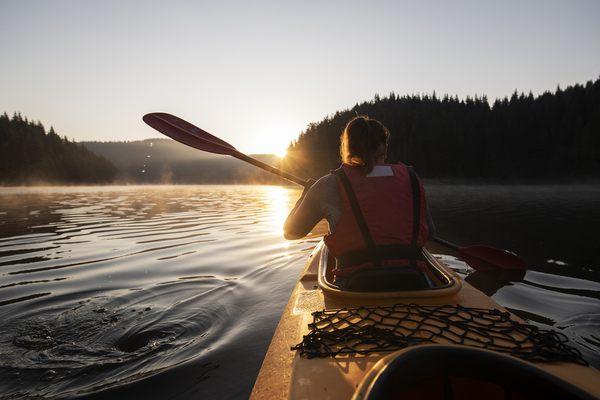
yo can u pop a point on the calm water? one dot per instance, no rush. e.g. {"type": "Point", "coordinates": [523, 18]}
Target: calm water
{"type": "Point", "coordinates": [175, 292]}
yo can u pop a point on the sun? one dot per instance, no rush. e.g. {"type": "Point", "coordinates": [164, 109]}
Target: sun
{"type": "Point", "coordinates": [281, 152]}
{"type": "Point", "coordinates": [275, 139]}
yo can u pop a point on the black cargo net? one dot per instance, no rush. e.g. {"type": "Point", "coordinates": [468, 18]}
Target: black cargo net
{"type": "Point", "coordinates": [386, 329]}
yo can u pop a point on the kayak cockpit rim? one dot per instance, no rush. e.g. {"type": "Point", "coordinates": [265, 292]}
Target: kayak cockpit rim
{"type": "Point", "coordinates": [446, 281]}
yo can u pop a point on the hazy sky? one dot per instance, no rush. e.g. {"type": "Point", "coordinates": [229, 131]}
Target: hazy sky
{"type": "Point", "coordinates": [256, 73]}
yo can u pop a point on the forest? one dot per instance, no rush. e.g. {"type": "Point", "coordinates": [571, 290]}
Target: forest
{"type": "Point", "coordinates": [551, 138]}
{"type": "Point", "coordinates": [554, 137]}
{"type": "Point", "coordinates": [30, 156]}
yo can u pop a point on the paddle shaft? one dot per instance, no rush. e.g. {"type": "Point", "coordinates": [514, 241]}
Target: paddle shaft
{"type": "Point", "coordinates": [445, 243]}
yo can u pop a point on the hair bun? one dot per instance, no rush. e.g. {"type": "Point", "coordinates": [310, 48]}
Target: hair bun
{"type": "Point", "coordinates": [362, 123]}
{"type": "Point", "coordinates": [361, 141]}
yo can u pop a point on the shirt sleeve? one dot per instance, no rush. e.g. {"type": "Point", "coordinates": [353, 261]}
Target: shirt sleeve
{"type": "Point", "coordinates": [307, 212]}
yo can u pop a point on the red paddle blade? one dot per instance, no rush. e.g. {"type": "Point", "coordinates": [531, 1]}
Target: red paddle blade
{"type": "Point", "coordinates": [484, 258]}
{"type": "Point", "coordinates": [188, 134]}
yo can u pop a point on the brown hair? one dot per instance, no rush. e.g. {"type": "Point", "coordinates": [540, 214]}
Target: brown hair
{"type": "Point", "coordinates": [361, 141]}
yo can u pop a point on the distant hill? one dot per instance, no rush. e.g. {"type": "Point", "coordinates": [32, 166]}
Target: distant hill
{"type": "Point", "coordinates": [31, 156]}
{"type": "Point", "coordinates": [165, 161]}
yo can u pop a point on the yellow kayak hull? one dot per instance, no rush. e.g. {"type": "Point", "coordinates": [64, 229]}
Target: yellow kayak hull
{"type": "Point", "coordinates": [285, 374]}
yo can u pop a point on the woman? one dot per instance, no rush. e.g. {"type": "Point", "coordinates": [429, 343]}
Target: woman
{"type": "Point", "coordinates": [377, 212]}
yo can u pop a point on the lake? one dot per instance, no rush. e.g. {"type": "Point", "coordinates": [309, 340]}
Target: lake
{"type": "Point", "coordinates": [175, 291]}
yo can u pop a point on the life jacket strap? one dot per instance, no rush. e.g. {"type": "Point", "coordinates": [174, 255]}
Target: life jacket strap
{"type": "Point", "coordinates": [374, 253]}
{"type": "Point", "coordinates": [358, 215]}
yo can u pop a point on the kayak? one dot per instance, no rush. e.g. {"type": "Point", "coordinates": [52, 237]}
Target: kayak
{"type": "Point", "coordinates": [387, 335]}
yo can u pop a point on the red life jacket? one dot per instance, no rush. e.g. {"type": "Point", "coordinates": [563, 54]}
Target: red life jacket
{"type": "Point", "coordinates": [384, 219]}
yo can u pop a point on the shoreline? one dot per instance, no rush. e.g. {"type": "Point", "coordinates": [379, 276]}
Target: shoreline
{"type": "Point", "coordinates": [425, 181]}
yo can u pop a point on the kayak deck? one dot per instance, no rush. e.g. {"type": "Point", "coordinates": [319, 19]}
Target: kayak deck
{"type": "Point", "coordinates": [287, 373]}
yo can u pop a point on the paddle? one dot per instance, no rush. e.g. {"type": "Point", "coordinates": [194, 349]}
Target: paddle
{"type": "Point", "coordinates": [190, 135]}
{"type": "Point", "coordinates": [478, 257]}
{"type": "Point", "coordinates": [484, 258]}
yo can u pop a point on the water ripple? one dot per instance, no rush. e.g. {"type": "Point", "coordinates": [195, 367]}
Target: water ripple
{"type": "Point", "coordinates": [129, 283]}
{"type": "Point", "coordinates": [161, 291]}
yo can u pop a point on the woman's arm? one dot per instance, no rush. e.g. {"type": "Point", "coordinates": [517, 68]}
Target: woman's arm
{"type": "Point", "coordinates": [305, 215]}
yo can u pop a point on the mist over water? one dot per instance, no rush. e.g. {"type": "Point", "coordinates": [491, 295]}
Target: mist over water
{"type": "Point", "coordinates": [176, 291]}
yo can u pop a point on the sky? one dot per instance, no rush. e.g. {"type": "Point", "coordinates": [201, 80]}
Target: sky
{"type": "Point", "coordinates": [257, 73]}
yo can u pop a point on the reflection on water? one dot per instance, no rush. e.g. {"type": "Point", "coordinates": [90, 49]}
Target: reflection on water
{"type": "Point", "coordinates": [553, 229]}
{"type": "Point", "coordinates": [105, 286]}
{"type": "Point", "coordinates": [172, 291]}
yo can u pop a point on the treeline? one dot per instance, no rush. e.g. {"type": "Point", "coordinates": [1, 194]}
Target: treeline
{"type": "Point", "coordinates": [552, 137]}
{"type": "Point", "coordinates": [555, 136]}
{"type": "Point", "coordinates": [165, 161]}
{"type": "Point", "coordinates": [29, 155]}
